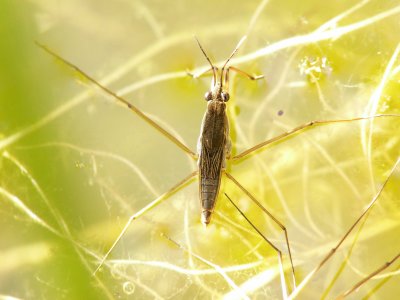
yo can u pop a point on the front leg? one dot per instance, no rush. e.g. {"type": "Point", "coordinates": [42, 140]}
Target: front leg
{"type": "Point", "coordinates": [228, 151]}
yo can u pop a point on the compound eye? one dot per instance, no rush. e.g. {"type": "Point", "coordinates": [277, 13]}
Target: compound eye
{"type": "Point", "coordinates": [225, 96]}
{"type": "Point", "coordinates": [208, 96]}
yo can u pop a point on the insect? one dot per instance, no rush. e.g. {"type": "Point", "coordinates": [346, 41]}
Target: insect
{"type": "Point", "coordinates": [218, 93]}
{"type": "Point", "coordinates": [214, 144]}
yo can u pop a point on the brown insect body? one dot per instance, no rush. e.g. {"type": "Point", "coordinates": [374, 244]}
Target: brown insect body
{"type": "Point", "coordinates": [213, 148]}
{"type": "Point", "coordinates": [214, 144]}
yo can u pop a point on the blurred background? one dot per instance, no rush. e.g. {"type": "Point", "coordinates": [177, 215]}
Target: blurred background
{"type": "Point", "coordinates": [74, 166]}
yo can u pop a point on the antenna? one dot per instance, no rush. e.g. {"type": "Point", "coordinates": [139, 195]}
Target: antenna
{"type": "Point", "coordinates": [233, 53]}
{"type": "Point", "coordinates": [212, 66]}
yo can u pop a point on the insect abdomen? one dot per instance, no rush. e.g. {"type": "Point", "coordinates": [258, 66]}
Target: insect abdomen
{"type": "Point", "coordinates": [209, 191]}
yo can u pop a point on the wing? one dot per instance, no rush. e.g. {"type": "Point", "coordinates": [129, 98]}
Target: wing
{"type": "Point", "coordinates": [212, 148]}
{"type": "Point", "coordinates": [213, 141]}
{"type": "Point", "coordinates": [211, 160]}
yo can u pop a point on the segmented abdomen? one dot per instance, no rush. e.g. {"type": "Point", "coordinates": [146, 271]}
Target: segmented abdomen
{"type": "Point", "coordinates": [209, 190]}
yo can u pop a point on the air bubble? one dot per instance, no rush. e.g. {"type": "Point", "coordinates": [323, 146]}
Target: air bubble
{"type": "Point", "coordinates": [128, 287]}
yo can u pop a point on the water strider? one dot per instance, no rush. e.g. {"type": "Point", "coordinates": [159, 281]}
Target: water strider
{"type": "Point", "coordinates": [214, 144]}
{"type": "Point", "coordinates": [213, 151]}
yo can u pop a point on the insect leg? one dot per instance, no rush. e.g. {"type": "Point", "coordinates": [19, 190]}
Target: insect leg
{"type": "Point", "coordinates": [251, 77]}
{"type": "Point", "coordinates": [145, 209]}
{"type": "Point", "coordinates": [303, 127]}
{"type": "Point", "coordinates": [283, 282]}
{"type": "Point", "coordinates": [271, 216]}
{"type": "Point", "coordinates": [333, 250]}
{"type": "Point", "coordinates": [201, 73]}
{"type": "Point", "coordinates": [361, 282]}
{"type": "Point", "coordinates": [121, 100]}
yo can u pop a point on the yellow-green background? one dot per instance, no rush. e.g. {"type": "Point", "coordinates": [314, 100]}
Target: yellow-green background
{"type": "Point", "coordinates": [82, 154]}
